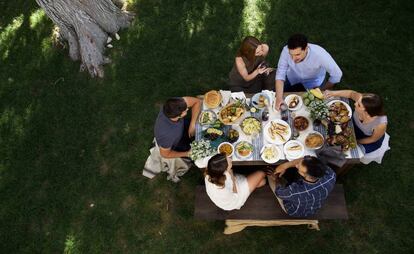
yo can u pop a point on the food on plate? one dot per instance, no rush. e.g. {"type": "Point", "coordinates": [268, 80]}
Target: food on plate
{"type": "Point", "coordinates": [338, 112]}
{"type": "Point", "coordinates": [251, 125]}
{"type": "Point", "coordinates": [230, 113]}
{"type": "Point", "coordinates": [314, 140]}
{"type": "Point", "coordinates": [207, 117]}
{"type": "Point", "coordinates": [345, 138]}
{"type": "Point", "coordinates": [201, 149]}
{"type": "Point", "coordinates": [293, 102]}
{"type": "Point", "coordinates": [294, 148]}
{"type": "Point", "coordinates": [244, 148]}
{"type": "Point", "coordinates": [317, 93]}
{"type": "Point", "coordinates": [270, 153]}
{"type": "Point", "coordinates": [262, 101]}
{"type": "Point", "coordinates": [212, 99]}
{"type": "Point", "coordinates": [278, 130]}
{"type": "Point", "coordinates": [233, 135]}
{"type": "Point", "coordinates": [318, 110]}
{"type": "Point", "coordinates": [300, 123]}
{"type": "Point", "coordinates": [213, 133]}
{"type": "Point", "coordinates": [226, 148]}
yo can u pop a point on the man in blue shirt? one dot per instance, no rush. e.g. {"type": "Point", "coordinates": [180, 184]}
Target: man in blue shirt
{"type": "Point", "coordinates": [309, 183]}
{"type": "Point", "coordinates": [172, 132]}
{"type": "Point", "coordinates": [304, 65]}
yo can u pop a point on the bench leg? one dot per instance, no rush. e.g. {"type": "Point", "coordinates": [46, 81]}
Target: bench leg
{"type": "Point", "coordinates": [234, 226]}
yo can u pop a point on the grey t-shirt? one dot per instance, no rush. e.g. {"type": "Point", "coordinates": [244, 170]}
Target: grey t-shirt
{"type": "Point", "coordinates": [168, 133]}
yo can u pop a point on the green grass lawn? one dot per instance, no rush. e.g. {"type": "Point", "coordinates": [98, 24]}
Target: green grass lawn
{"type": "Point", "coordinates": [72, 148]}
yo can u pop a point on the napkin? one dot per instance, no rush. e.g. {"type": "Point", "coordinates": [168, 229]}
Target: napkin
{"type": "Point", "coordinates": [238, 96]}
{"type": "Point", "coordinates": [225, 95]}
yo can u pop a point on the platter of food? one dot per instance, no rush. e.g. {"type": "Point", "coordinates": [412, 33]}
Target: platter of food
{"type": "Point", "coordinates": [300, 123]}
{"type": "Point", "coordinates": [212, 99]}
{"type": "Point", "coordinates": [294, 102]}
{"type": "Point", "coordinates": [339, 111]}
{"type": "Point", "coordinates": [314, 140]}
{"type": "Point", "coordinates": [260, 100]}
{"type": "Point", "coordinates": [251, 125]}
{"type": "Point", "coordinates": [231, 113]}
{"type": "Point", "coordinates": [226, 148]}
{"type": "Point", "coordinates": [270, 153]}
{"type": "Point", "coordinates": [244, 149]}
{"type": "Point", "coordinates": [277, 132]}
{"type": "Point", "coordinates": [232, 135]}
{"type": "Point", "coordinates": [293, 149]}
{"type": "Point", "coordinates": [213, 133]}
{"type": "Point", "coordinates": [207, 117]}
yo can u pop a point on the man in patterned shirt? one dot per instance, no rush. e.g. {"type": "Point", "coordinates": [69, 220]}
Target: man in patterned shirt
{"type": "Point", "coordinates": [308, 184]}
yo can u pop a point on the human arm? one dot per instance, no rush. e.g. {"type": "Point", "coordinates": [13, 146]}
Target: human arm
{"type": "Point", "coordinates": [195, 105]}
{"type": "Point", "coordinates": [282, 68]}
{"type": "Point", "coordinates": [241, 68]}
{"type": "Point", "coordinates": [168, 153]}
{"type": "Point", "coordinates": [281, 169]}
{"type": "Point", "coordinates": [350, 94]}
{"type": "Point", "coordinates": [379, 131]}
{"type": "Point", "coordinates": [335, 73]}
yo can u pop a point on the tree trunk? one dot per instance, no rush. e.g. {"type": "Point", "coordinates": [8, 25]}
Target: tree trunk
{"type": "Point", "coordinates": [85, 24]}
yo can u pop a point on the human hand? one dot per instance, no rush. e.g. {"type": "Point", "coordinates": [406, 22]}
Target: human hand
{"type": "Point", "coordinates": [328, 93]}
{"type": "Point", "coordinates": [280, 170]}
{"type": "Point", "coordinates": [279, 101]}
{"type": "Point", "coordinates": [261, 69]}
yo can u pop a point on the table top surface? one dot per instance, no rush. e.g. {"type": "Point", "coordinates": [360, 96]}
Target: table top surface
{"type": "Point", "coordinates": [258, 141]}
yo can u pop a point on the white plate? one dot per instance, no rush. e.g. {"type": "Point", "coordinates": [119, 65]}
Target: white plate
{"type": "Point", "coordinates": [277, 140]}
{"type": "Point", "coordinates": [241, 156]}
{"type": "Point", "coordinates": [296, 154]}
{"type": "Point", "coordinates": [255, 99]}
{"type": "Point", "coordinates": [317, 133]}
{"type": "Point", "coordinates": [213, 119]}
{"type": "Point", "coordinates": [290, 97]}
{"type": "Point", "coordinates": [226, 143]}
{"type": "Point", "coordinates": [277, 151]}
{"type": "Point", "coordinates": [346, 105]}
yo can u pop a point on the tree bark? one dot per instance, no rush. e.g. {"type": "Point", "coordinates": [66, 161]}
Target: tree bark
{"type": "Point", "coordinates": [86, 25]}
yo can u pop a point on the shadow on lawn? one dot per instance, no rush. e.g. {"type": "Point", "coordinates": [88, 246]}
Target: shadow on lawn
{"type": "Point", "coordinates": [69, 173]}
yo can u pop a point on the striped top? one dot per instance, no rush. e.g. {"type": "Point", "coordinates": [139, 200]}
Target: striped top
{"type": "Point", "coordinates": [302, 199]}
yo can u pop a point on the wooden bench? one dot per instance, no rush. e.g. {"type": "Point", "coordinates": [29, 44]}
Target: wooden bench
{"type": "Point", "coordinates": [263, 209]}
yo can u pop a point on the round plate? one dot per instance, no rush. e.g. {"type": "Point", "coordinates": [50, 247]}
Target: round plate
{"type": "Point", "coordinates": [289, 98]}
{"type": "Point", "coordinates": [254, 119]}
{"type": "Point", "coordinates": [255, 100]}
{"type": "Point", "coordinates": [237, 116]}
{"type": "Point", "coordinates": [237, 152]}
{"type": "Point", "coordinates": [313, 133]}
{"type": "Point", "coordinates": [212, 120]}
{"type": "Point", "coordinates": [276, 150]}
{"type": "Point", "coordinates": [292, 154]}
{"type": "Point", "coordinates": [277, 139]}
{"type": "Point", "coordinates": [226, 143]}
{"type": "Point", "coordinates": [346, 105]}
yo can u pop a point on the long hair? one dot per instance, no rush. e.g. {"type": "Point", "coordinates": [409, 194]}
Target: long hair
{"type": "Point", "coordinates": [373, 104]}
{"type": "Point", "coordinates": [248, 49]}
{"type": "Point", "coordinates": [216, 167]}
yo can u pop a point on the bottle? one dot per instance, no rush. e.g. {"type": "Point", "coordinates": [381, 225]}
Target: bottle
{"type": "Point", "coordinates": [284, 111]}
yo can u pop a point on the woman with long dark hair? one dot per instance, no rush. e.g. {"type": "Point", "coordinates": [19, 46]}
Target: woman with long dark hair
{"type": "Point", "coordinates": [250, 71]}
{"type": "Point", "coordinates": [227, 190]}
{"type": "Point", "coordinates": [369, 119]}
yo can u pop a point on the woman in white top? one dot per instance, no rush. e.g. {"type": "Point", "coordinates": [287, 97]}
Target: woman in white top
{"type": "Point", "coordinates": [227, 190]}
{"type": "Point", "coordinates": [369, 119]}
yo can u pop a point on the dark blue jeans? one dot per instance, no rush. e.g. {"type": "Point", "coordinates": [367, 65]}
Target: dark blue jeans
{"type": "Point", "coordinates": [185, 141]}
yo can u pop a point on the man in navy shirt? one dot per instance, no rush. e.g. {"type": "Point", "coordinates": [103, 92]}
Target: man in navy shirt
{"type": "Point", "coordinates": [308, 184]}
{"type": "Point", "coordinates": [173, 133]}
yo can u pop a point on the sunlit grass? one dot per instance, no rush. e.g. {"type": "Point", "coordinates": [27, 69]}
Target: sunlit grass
{"type": "Point", "coordinates": [36, 17]}
{"type": "Point", "coordinates": [7, 35]}
{"type": "Point", "coordinates": [254, 17]}
{"type": "Point", "coordinates": [196, 24]}
{"type": "Point", "coordinates": [71, 245]}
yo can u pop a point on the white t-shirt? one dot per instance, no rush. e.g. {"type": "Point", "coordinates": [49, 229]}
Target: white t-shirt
{"type": "Point", "coordinates": [224, 197]}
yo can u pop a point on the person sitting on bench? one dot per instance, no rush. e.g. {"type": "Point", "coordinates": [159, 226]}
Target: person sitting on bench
{"type": "Point", "coordinates": [229, 191]}
{"type": "Point", "coordinates": [308, 183]}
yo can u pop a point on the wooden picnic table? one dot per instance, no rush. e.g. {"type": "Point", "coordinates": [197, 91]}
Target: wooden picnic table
{"type": "Point", "coordinates": [352, 156]}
